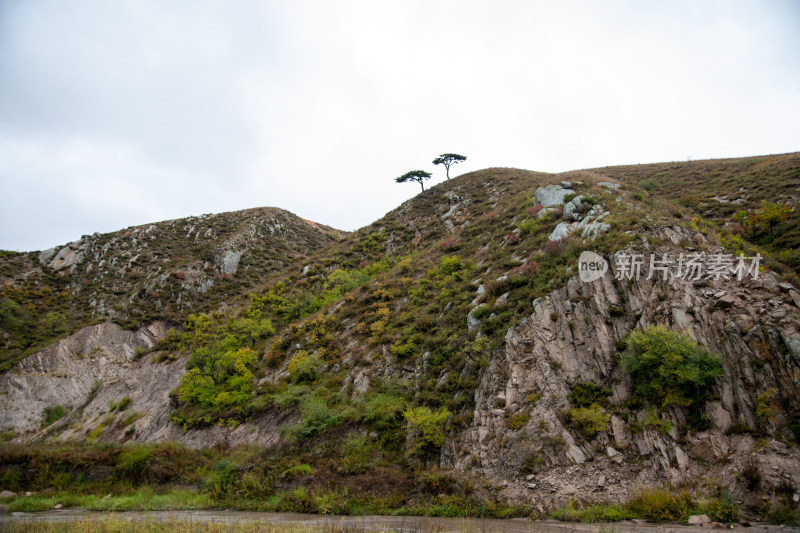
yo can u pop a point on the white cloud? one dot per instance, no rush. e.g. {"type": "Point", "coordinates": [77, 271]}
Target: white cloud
{"type": "Point", "coordinates": [113, 114]}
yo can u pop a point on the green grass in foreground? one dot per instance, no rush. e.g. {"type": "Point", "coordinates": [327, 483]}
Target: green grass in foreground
{"type": "Point", "coordinates": [656, 505]}
{"type": "Point", "coordinates": [143, 500]}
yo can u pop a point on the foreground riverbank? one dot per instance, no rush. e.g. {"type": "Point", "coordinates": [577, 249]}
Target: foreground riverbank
{"type": "Point", "coordinates": [240, 522]}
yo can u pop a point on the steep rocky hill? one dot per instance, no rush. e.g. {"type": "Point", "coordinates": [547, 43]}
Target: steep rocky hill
{"type": "Point", "coordinates": [460, 333]}
{"type": "Point", "coordinates": [157, 271]}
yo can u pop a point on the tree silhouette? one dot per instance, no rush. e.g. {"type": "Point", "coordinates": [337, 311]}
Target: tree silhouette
{"type": "Point", "coordinates": [415, 175]}
{"type": "Point", "coordinates": [447, 160]}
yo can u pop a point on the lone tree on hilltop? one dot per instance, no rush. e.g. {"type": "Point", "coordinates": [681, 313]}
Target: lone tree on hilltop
{"type": "Point", "coordinates": [447, 160]}
{"type": "Point", "coordinates": [415, 175]}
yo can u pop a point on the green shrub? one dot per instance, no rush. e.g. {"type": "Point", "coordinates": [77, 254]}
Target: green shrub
{"type": "Point", "coordinates": [319, 411]}
{"type": "Point", "coordinates": [358, 454]}
{"type": "Point", "coordinates": [53, 413]}
{"type": "Point", "coordinates": [298, 471]}
{"type": "Point", "coordinates": [383, 411]}
{"type": "Point", "coordinates": [586, 393]}
{"type": "Point", "coordinates": [124, 403]}
{"type": "Point", "coordinates": [303, 367]}
{"type": "Point", "coordinates": [426, 427]}
{"type": "Point", "coordinates": [527, 227]}
{"type": "Point", "coordinates": [652, 420]}
{"type": "Point", "coordinates": [590, 420]}
{"type": "Point", "coordinates": [221, 481]}
{"type": "Point", "coordinates": [660, 505]}
{"type": "Point", "coordinates": [534, 397]}
{"type": "Point", "coordinates": [218, 376]}
{"type": "Point", "coordinates": [517, 421]}
{"type": "Point", "coordinates": [132, 462]}
{"type": "Point", "coordinates": [669, 368]}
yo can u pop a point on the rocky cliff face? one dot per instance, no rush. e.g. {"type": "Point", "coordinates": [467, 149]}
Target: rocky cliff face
{"type": "Point", "coordinates": [73, 371]}
{"type": "Point", "coordinates": [97, 368]}
{"type": "Point", "coordinates": [573, 336]}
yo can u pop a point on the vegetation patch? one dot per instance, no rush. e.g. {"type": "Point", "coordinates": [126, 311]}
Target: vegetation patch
{"type": "Point", "coordinates": [668, 368]}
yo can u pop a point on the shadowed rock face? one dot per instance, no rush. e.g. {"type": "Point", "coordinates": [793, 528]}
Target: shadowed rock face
{"type": "Point", "coordinates": [573, 337]}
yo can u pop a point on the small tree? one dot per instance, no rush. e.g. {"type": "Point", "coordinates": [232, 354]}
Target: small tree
{"type": "Point", "coordinates": [447, 160]}
{"type": "Point", "coordinates": [415, 175]}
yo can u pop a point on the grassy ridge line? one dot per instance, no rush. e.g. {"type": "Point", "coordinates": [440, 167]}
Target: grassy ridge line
{"type": "Point", "coordinates": [145, 273]}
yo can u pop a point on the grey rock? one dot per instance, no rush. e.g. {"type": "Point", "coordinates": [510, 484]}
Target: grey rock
{"type": "Point", "coordinates": [610, 186]}
{"type": "Point", "coordinates": [595, 228]}
{"type": "Point", "coordinates": [611, 452]}
{"type": "Point", "coordinates": [699, 520]}
{"type": "Point", "coordinates": [46, 255]}
{"type": "Point", "coordinates": [566, 184]}
{"type": "Point", "coordinates": [6, 494]}
{"type": "Point", "coordinates": [571, 208]}
{"type": "Point", "coordinates": [473, 323]}
{"type": "Point", "coordinates": [725, 301]}
{"type": "Point", "coordinates": [618, 429]}
{"type": "Point", "coordinates": [58, 506]}
{"type": "Point", "coordinates": [502, 299]}
{"type": "Point", "coordinates": [229, 262]}
{"type": "Point", "coordinates": [551, 195]}
{"type": "Point", "coordinates": [785, 286]}
{"type": "Point", "coordinates": [795, 297]}
{"type": "Point", "coordinates": [562, 230]}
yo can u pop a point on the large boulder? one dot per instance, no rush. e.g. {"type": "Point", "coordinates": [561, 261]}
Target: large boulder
{"type": "Point", "coordinates": [551, 195]}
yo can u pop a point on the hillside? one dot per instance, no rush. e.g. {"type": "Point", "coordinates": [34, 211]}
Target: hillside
{"type": "Point", "coordinates": [160, 271]}
{"type": "Point", "coordinates": [449, 357]}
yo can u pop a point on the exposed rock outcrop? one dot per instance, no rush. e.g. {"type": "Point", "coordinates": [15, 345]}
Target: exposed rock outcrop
{"type": "Point", "coordinates": [573, 336]}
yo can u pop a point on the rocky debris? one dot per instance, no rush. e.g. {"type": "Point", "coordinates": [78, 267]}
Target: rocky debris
{"type": "Point", "coordinates": [552, 195]}
{"type": "Point", "coordinates": [454, 214]}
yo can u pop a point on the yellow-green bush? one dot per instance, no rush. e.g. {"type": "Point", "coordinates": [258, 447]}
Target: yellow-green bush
{"type": "Point", "coordinates": [669, 368]}
{"type": "Point", "coordinates": [426, 428]}
{"type": "Point", "coordinates": [591, 420]}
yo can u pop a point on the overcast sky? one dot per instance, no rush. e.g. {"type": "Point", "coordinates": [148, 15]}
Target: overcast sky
{"type": "Point", "coordinates": [119, 113]}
